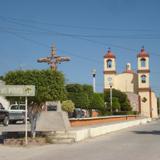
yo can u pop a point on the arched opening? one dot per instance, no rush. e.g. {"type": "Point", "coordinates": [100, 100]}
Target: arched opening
{"type": "Point", "coordinates": [143, 62]}
{"type": "Point", "coordinates": [143, 78]}
{"type": "Point", "coordinates": [109, 63]}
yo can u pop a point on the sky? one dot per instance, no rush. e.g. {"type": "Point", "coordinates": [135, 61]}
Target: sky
{"type": "Point", "coordinates": [82, 30]}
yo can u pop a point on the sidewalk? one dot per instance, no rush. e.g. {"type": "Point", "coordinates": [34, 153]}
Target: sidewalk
{"type": "Point", "coordinates": [76, 134]}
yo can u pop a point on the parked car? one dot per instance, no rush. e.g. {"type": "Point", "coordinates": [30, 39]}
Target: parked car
{"type": "Point", "coordinates": [4, 116]}
{"type": "Point", "coordinates": [17, 113]}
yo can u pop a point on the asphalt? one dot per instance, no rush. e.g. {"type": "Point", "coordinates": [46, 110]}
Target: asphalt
{"type": "Point", "coordinates": [140, 143]}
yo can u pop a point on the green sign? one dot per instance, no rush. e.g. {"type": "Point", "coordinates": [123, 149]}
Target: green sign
{"type": "Point", "coordinates": [17, 90]}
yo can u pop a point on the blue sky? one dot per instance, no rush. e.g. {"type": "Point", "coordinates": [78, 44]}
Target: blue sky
{"type": "Point", "coordinates": [83, 30]}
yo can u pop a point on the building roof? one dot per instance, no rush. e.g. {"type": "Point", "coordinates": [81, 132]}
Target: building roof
{"type": "Point", "coordinates": [109, 54]}
{"type": "Point", "coordinates": [143, 53]}
{"type": "Point", "coordinates": [129, 71]}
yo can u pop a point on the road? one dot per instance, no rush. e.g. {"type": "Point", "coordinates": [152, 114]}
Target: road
{"type": "Point", "coordinates": [140, 143]}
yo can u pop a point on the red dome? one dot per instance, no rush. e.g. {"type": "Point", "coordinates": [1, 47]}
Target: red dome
{"type": "Point", "coordinates": [143, 53]}
{"type": "Point", "coordinates": [109, 54]}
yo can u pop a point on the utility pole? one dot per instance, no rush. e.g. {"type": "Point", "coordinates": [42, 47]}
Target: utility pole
{"type": "Point", "coordinates": [26, 126]}
{"type": "Point", "coordinates": [94, 80]}
{"type": "Point", "coordinates": [110, 84]}
{"type": "Point", "coordinates": [159, 105]}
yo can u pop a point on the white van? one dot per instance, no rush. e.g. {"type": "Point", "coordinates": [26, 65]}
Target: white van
{"type": "Point", "coordinates": [17, 113]}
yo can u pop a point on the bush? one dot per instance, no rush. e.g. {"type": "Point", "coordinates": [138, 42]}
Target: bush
{"type": "Point", "coordinates": [126, 113]}
{"type": "Point", "coordinates": [68, 106]}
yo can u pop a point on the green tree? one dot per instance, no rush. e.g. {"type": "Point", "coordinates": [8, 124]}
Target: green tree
{"type": "Point", "coordinates": [74, 88]}
{"type": "Point", "coordinates": [80, 94]}
{"type": "Point", "coordinates": [118, 98]}
{"type": "Point", "coordinates": [1, 77]}
{"type": "Point", "coordinates": [49, 86]}
{"type": "Point", "coordinates": [88, 89]}
{"type": "Point", "coordinates": [115, 104]}
{"type": "Point", "coordinates": [80, 99]}
{"type": "Point", "coordinates": [125, 106]}
{"type": "Point", "coordinates": [97, 102]}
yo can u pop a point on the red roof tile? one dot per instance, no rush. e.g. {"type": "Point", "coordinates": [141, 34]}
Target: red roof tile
{"type": "Point", "coordinates": [143, 53]}
{"type": "Point", "coordinates": [109, 54]}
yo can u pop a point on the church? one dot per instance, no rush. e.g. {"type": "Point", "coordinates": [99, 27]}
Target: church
{"type": "Point", "coordinates": [135, 84]}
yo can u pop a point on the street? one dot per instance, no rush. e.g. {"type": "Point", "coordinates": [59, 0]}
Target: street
{"type": "Point", "coordinates": [140, 143]}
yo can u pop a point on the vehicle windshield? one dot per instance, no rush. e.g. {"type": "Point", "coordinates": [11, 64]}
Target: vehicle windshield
{"type": "Point", "coordinates": [14, 107]}
{"type": "Point", "coordinates": [17, 107]}
{"type": "Point", "coordinates": [22, 107]}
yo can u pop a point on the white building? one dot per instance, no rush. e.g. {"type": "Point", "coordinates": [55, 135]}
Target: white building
{"type": "Point", "coordinates": [3, 100]}
{"type": "Point", "coordinates": [135, 85]}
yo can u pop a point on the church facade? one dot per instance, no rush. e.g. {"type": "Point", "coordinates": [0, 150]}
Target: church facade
{"type": "Point", "coordinates": [135, 85]}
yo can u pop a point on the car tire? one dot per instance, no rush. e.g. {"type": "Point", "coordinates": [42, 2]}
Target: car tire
{"type": "Point", "coordinates": [6, 121]}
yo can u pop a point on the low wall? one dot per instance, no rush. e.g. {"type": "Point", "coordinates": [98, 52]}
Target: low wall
{"type": "Point", "coordinates": [76, 134]}
{"type": "Point", "coordinates": [90, 132]}
{"type": "Point", "coordinates": [76, 122]}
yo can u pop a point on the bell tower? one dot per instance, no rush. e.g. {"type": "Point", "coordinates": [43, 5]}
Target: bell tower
{"type": "Point", "coordinates": [144, 90]}
{"type": "Point", "coordinates": [109, 69]}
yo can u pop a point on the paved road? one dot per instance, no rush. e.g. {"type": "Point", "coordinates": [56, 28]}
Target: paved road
{"type": "Point", "coordinates": [137, 143]}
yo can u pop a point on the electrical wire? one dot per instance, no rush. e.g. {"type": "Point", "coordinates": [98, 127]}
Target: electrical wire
{"type": "Point", "coordinates": [71, 35]}
{"type": "Point", "coordinates": [78, 27]}
{"type": "Point", "coordinates": [47, 46]}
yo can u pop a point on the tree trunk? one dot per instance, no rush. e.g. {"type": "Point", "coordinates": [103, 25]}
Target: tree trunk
{"type": "Point", "coordinates": [33, 119]}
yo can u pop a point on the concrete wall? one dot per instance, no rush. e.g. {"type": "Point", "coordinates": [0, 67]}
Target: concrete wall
{"type": "Point", "coordinates": [144, 85]}
{"type": "Point", "coordinates": [134, 100]}
{"type": "Point", "coordinates": [145, 106]}
{"type": "Point", "coordinates": [126, 82]}
{"type": "Point", "coordinates": [154, 105]}
{"type": "Point", "coordinates": [106, 82]}
{"type": "Point", "coordinates": [99, 120]}
{"type": "Point", "coordinates": [113, 68]}
{"type": "Point", "coordinates": [139, 63]}
{"type": "Point", "coordinates": [90, 132]}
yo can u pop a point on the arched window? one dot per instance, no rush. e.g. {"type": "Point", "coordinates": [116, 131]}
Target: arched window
{"type": "Point", "coordinates": [143, 78]}
{"type": "Point", "coordinates": [109, 63]}
{"type": "Point", "coordinates": [143, 62]}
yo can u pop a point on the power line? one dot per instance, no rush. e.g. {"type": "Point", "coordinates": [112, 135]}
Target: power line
{"type": "Point", "coordinates": [77, 27]}
{"type": "Point", "coordinates": [47, 46]}
{"type": "Point", "coordinates": [81, 57]}
{"type": "Point", "coordinates": [46, 31]}
{"type": "Point", "coordinates": [73, 36]}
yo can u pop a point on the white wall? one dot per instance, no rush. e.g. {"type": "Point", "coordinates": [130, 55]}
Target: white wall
{"type": "Point", "coordinates": [154, 105]}
{"type": "Point", "coordinates": [145, 106]}
{"type": "Point", "coordinates": [139, 63]}
{"type": "Point", "coordinates": [126, 82]}
{"type": "Point", "coordinates": [4, 102]}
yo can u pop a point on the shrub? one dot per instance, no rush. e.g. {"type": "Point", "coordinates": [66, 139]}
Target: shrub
{"type": "Point", "coordinates": [68, 106]}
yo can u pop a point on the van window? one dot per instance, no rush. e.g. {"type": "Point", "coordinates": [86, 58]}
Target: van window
{"type": "Point", "coordinates": [22, 107]}
{"type": "Point", "coordinates": [14, 107]}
